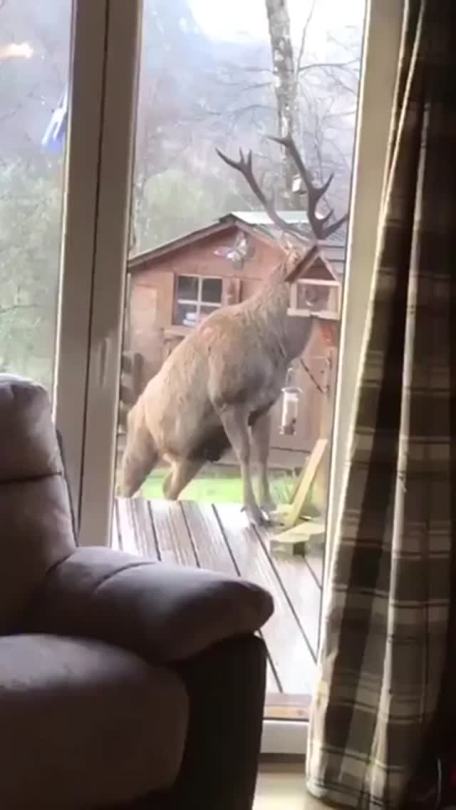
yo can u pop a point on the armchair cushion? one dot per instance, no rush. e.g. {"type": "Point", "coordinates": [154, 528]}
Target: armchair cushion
{"type": "Point", "coordinates": [37, 530]}
{"type": "Point", "coordinates": [84, 724]}
{"type": "Point", "coordinates": [160, 612]}
{"type": "Point", "coordinates": [30, 449]}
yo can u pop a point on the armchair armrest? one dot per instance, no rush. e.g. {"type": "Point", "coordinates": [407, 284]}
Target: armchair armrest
{"type": "Point", "coordinates": [163, 613]}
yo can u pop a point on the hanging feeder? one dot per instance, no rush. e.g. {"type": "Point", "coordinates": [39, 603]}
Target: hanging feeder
{"type": "Point", "coordinates": [290, 405]}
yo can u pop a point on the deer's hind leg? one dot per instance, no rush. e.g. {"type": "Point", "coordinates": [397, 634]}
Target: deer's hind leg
{"type": "Point", "coordinates": [235, 420]}
{"type": "Point", "coordinates": [182, 472]}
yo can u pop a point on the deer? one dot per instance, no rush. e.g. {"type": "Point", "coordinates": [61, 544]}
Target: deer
{"type": "Point", "coordinates": [216, 389]}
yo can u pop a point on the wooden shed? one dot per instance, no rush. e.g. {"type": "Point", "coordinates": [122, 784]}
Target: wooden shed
{"type": "Point", "coordinates": [172, 287]}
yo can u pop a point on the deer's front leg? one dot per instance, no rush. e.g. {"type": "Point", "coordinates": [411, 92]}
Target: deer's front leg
{"type": "Point", "coordinates": [235, 422]}
{"type": "Point", "coordinates": [261, 437]}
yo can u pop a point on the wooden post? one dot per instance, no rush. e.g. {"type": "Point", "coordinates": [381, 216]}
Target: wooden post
{"type": "Point", "coordinates": [321, 482]}
{"type": "Point", "coordinates": [295, 534]}
{"type": "Point", "coordinates": [305, 482]}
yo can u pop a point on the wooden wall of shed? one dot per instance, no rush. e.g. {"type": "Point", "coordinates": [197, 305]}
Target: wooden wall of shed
{"type": "Point", "coordinates": [150, 308]}
{"type": "Point", "coordinates": [200, 259]}
{"type": "Point", "coordinates": [150, 313]}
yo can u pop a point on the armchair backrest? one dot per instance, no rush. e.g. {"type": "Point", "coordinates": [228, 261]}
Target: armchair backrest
{"type": "Point", "coordinates": [35, 517]}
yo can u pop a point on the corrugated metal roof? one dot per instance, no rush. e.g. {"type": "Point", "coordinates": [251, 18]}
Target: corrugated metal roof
{"type": "Point", "coordinates": [258, 221]}
{"type": "Point", "coordinates": [262, 218]}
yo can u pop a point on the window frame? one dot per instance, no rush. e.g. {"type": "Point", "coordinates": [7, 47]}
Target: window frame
{"type": "Point", "coordinates": [304, 312]}
{"type": "Point", "coordinates": [383, 37]}
{"type": "Point", "coordinates": [79, 226]}
{"type": "Point", "coordinates": [103, 111]}
{"type": "Point", "coordinates": [198, 302]}
{"type": "Point", "coordinates": [99, 160]}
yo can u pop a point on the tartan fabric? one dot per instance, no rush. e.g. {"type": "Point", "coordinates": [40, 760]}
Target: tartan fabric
{"type": "Point", "coordinates": [385, 633]}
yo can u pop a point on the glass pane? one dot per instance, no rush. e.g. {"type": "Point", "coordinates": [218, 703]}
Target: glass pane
{"type": "Point", "coordinates": [34, 67]}
{"type": "Point", "coordinates": [186, 315]}
{"type": "Point", "coordinates": [212, 291]}
{"type": "Point", "coordinates": [206, 310]}
{"type": "Point", "coordinates": [187, 288]}
{"type": "Point", "coordinates": [213, 79]}
{"type": "Point", "coordinates": [312, 296]}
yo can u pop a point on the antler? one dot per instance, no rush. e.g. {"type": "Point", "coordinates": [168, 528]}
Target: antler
{"type": "Point", "coordinates": [245, 166]}
{"type": "Point", "coordinates": [319, 224]}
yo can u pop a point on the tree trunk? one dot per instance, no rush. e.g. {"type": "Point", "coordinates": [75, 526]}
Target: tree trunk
{"type": "Point", "coordinates": [284, 85]}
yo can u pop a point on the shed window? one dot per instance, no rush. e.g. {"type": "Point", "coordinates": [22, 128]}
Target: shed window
{"type": "Point", "coordinates": [196, 297]}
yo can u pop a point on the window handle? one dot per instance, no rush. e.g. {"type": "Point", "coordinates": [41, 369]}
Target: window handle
{"type": "Point", "coordinates": [103, 353]}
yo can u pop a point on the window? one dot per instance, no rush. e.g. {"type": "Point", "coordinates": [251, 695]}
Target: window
{"type": "Point", "coordinates": [196, 297]}
{"type": "Point", "coordinates": [34, 72]}
{"type": "Point", "coordinates": [317, 296]}
{"type": "Point", "coordinates": [163, 212]}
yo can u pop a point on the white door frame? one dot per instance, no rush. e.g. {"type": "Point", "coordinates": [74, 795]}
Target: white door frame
{"type": "Point", "coordinates": [381, 52]}
{"type": "Point", "coordinates": [106, 37]}
{"type": "Point", "coordinates": [115, 182]}
{"type": "Point", "coordinates": [95, 253]}
{"type": "Point", "coordinates": [86, 94]}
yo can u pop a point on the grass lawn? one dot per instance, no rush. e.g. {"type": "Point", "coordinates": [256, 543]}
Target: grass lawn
{"type": "Point", "coordinates": [220, 486]}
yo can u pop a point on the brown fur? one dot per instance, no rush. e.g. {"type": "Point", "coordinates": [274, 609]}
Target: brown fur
{"type": "Point", "coordinates": [219, 382]}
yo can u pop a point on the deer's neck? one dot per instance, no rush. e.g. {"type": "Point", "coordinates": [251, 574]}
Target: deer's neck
{"type": "Point", "coordinates": [269, 307]}
{"type": "Point", "coordinates": [272, 299]}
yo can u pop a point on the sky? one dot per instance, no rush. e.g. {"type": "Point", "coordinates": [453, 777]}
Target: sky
{"type": "Point", "coordinates": [240, 19]}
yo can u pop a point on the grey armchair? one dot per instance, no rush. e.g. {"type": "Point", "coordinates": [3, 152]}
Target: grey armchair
{"type": "Point", "coordinates": [123, 683]}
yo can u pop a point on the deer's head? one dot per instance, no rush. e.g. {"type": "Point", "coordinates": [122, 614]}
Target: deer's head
{"type": "Point", "coordinates": [297, 261]}
{"type": "Point", "coordinates": [303, 248]}
{"type": "Point", "coordinates": [321, 225]}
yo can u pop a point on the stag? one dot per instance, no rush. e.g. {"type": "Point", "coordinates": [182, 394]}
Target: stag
{"type": "Point", "coordinates": [217, 388]}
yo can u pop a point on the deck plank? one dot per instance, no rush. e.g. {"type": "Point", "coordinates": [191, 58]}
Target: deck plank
{"type": "Point", "coordinates": [220, 539]}
{"type": "Point", "coordinates": [287, 647]}
{"type": "Point", "coordinates": [302, 589]}
{"type": "Point", "coordinates": [126, 526]}
{"type": "Point", "coordinates": [115, 533]}
{"type": "Point", "coordinates": [144, 529]}
{"type": "Point", "coordinates": [208, 538]}
{"type": "Point", "coordinates": [272, 684]}
{"type": "Point", "coordinates": [213, 554]}
{"type": "Point", "coordinates": [287, 707]}
{"type": "Point", "coordinates": [173, 538]}
{"type": "Point", "coordinates": [315, 561]}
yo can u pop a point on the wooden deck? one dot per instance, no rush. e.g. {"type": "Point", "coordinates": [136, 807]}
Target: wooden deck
{"type": "Point", "coordinates": [220, 538]}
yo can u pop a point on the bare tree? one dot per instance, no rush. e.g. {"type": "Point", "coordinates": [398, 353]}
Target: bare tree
{"type": "Point", "coordinates": [298, 93]}
{"type": "Point", "coordinates": [285, 84]}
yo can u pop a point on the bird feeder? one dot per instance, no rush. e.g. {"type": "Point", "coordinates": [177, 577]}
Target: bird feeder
{"type": "Point", "coordinates": [290, 405]}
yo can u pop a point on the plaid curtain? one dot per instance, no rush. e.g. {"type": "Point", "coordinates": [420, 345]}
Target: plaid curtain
{"type": "Point", "coordinates": [386, 628]}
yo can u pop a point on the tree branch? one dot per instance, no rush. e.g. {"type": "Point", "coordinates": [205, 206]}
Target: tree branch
{"type": "Point", "coordinates": [326, 65]}
{"type": "Point", "coordinates": [14, 307]}
{"type": "Point", "coordinates": [305, 31]}
{"type": "Point", "coordinates": [245, 167]}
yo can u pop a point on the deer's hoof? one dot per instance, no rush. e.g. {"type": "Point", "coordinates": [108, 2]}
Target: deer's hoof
{"type": "Point", "coordinates": [256, 516]}
{"type": "Point", "coordinates": [268, 507]}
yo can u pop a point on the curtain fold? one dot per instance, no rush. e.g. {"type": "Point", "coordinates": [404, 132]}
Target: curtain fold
{"type": "Point", "coordinates": [385, 633]}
